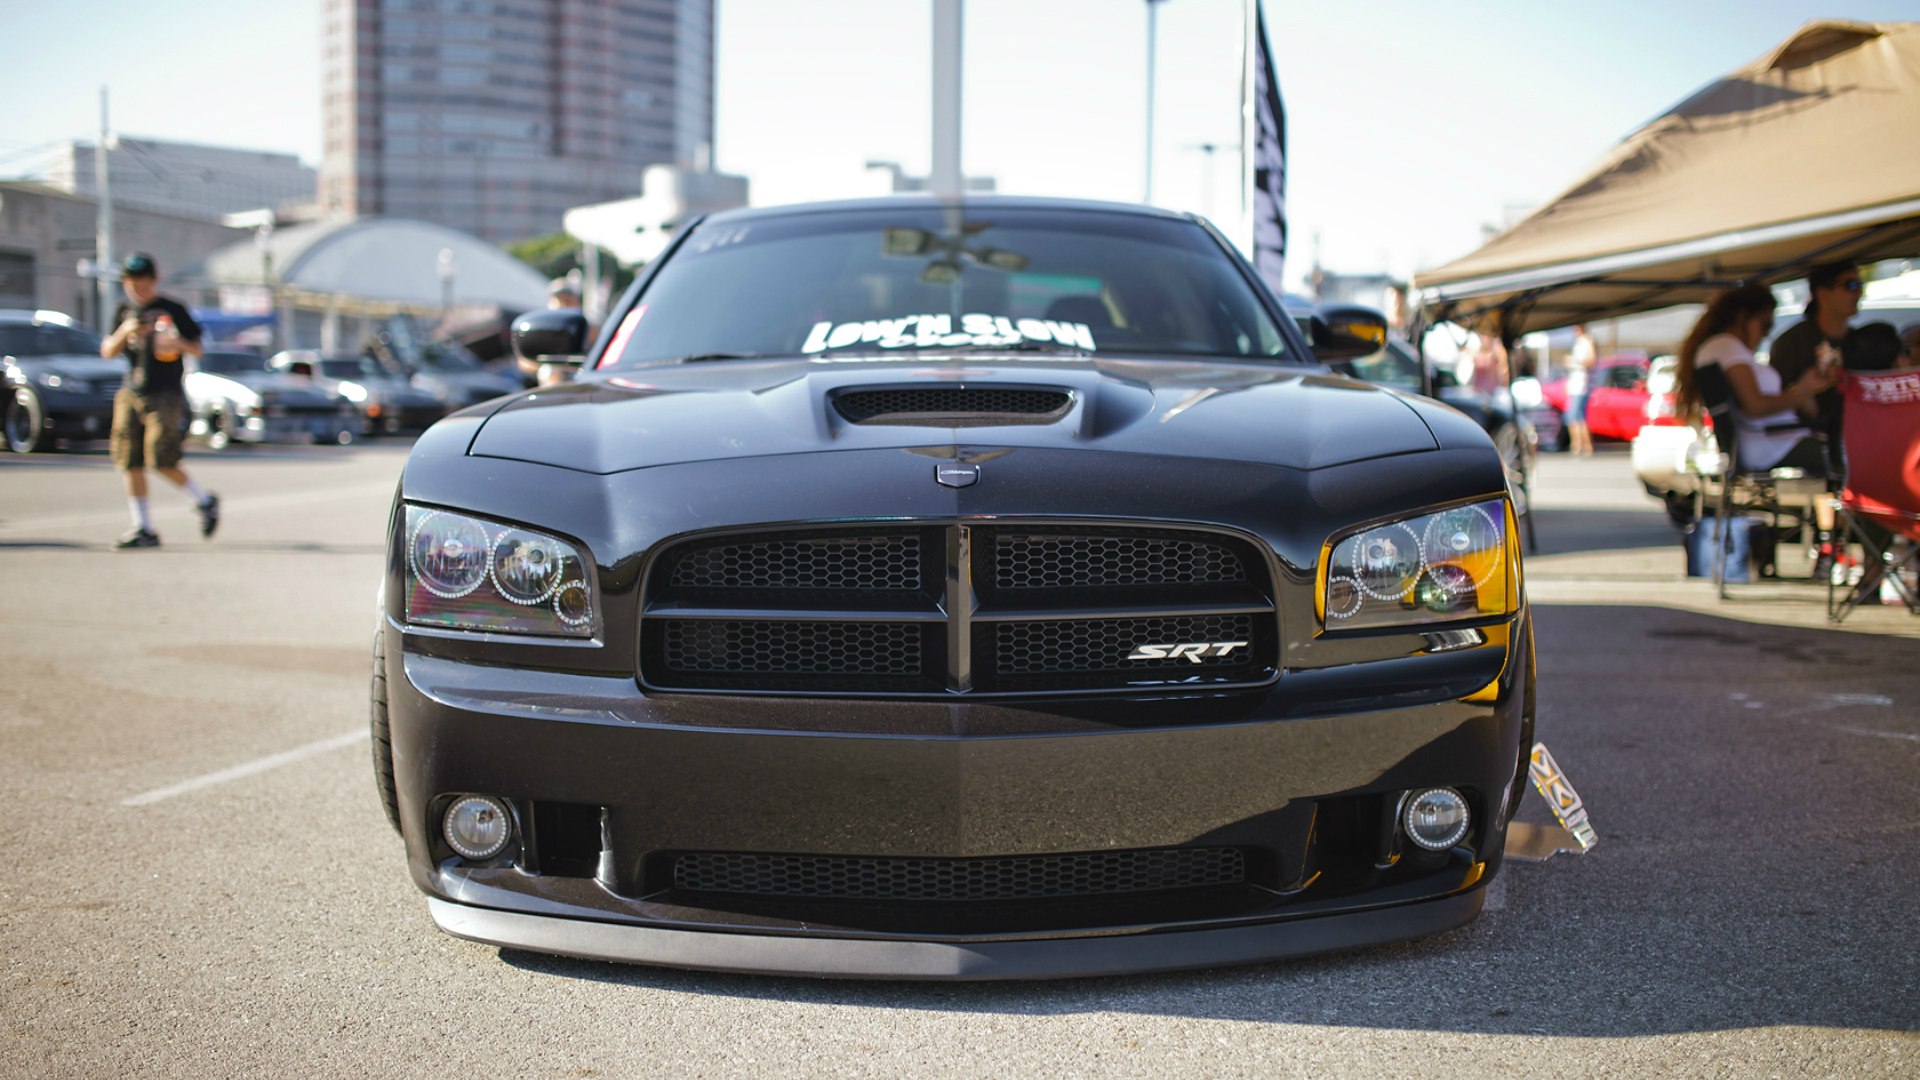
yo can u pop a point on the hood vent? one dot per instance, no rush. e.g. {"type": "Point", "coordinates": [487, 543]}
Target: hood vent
{"type": "Point", "coordinates": [953, 406]}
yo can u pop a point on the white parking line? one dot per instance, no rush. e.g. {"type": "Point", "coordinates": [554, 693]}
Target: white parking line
{"type": "Point", "coordinates": [258, 765]}
{"type": "Point", "coordinates": [1878, 734]}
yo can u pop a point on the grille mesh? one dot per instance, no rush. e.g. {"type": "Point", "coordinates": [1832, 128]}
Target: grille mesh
{"type": "Point", "coordinates": [878, 562]}
{"type": "Point", "coordinates": [793, 647]}
{"type": "Point", "coordinates": [863, 406]}
{"type": "Point", "coordinates": [1071, 646]}
{"type": "Point", "coordinates": [960, 880]}
{"type": "Point", "coordinates": [1090, 559]}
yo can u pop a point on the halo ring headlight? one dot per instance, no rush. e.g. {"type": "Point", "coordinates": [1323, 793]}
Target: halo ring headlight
{"type": "Point", "coordinates": [449, 554]}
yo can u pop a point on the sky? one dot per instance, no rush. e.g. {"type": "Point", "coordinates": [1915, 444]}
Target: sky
{"type": "Point", "coordinates": [1411, 124]}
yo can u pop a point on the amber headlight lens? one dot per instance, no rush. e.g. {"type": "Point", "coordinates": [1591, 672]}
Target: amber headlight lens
{"type": "Point", "coordinates": [468, 573]}
{"type": "Point", "coordinates": [1448, 565]}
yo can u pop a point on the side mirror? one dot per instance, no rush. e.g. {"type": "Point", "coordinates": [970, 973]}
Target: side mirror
{"type": "Point", "coordinates": [551, 336]}
{"type": "Point", "coordinates": [1346, 331]}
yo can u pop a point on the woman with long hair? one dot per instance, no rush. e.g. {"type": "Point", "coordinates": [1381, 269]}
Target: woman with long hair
{"type": "Point", "coordinates": [1772, 434]}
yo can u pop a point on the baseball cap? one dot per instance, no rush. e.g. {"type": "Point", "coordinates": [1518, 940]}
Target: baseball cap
{"type": "Point", "coordinates": [138, 264]}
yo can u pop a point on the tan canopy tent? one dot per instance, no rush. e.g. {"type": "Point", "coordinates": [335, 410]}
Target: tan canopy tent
{"type": "Point", "coordinates": [1809, 154]}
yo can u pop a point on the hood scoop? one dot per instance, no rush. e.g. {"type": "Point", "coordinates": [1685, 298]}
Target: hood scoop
{"type": "Point", "coordinates": [953, 406]}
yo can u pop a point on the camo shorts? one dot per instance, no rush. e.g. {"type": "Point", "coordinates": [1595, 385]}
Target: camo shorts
{"type": "Point", "coordinates": [148, 429]}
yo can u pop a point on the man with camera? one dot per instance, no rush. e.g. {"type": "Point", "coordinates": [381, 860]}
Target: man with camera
{"type": "Point", "coordinates": [156, 334]}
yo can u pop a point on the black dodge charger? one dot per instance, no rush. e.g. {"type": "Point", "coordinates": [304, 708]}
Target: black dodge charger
{"type": "Point", "coordinates": [971, 589]}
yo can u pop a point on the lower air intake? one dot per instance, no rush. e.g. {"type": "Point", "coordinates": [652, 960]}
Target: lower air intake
{"type": "Point", "coordinates": [1008, 878]}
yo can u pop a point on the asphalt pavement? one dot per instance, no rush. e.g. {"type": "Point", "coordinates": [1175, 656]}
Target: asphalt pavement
{"type": "Point", "coordinates": [201, 881]}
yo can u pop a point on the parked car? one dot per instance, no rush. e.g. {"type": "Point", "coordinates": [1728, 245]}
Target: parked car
{"type": "Point", "coordinates": [1616, 397]}
{"type": "Point", "coordinates": [973, 589]}
{"type": "Point", "coordinates": [447, 370]}
{"type": "Point", "coordinates": [1396, 365]}
{"type": "Point", "coordinates": [233, 396]}
{"type": "Point", "coordinates": [57, 386]}
{"type": "Point", "coordinates": [387, 403]}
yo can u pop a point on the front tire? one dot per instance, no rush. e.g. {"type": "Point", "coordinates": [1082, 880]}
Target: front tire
{"type": "Point", "coordinates": [218, 437]}
{"type": "Point", "coordinates": [382, 737]}
{"type": "Point", "coordinates": [26, 422]}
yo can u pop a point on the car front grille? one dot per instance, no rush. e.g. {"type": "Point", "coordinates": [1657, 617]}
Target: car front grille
{"type": "Point", "coordinates": [958, 608]}
{"type": "Point", "coordinates": [996, 879]}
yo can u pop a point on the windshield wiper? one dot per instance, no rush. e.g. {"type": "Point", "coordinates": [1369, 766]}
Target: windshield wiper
{"type": "Point", "coordinates": [701, 358]}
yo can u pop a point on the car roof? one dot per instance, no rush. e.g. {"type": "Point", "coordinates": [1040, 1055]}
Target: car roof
{"type": "Point", "coordinates": [920, 201]}
{"type": "Point", "coordinates": [57, 318]}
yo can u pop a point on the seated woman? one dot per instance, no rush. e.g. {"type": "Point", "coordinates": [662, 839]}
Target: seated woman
{"type": "Point", "coordinates": [1772, 434]}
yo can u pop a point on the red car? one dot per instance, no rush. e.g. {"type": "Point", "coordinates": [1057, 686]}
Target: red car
{"type": "Point", "coordinates": [1616, 397]}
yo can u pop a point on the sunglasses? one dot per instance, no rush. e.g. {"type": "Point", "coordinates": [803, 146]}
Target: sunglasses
{"type": "Point", "coordinates": [1851, 285]}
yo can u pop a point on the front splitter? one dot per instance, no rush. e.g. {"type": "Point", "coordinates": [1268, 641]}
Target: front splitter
{"type": "Point", "coordinates": [867, 958]}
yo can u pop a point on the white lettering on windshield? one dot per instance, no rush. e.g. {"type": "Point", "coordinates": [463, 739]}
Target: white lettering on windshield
{"type": "Point", "coordinates": [933, 330]}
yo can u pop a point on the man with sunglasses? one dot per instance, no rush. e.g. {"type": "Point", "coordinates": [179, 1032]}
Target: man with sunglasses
{"type": "Point", "coordinates": [1834, 289]}
{"type": "Point", "coordinates": [1818, 339]}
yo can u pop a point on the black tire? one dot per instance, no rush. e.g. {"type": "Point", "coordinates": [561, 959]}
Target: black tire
{"type": "Point", "coordinates": [26, 422]}
{"type": "Point", "coordinates": [381, 736]}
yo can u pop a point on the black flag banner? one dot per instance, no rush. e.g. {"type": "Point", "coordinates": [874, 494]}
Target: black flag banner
{"type": "Point", "coordinates": [1269, 162]}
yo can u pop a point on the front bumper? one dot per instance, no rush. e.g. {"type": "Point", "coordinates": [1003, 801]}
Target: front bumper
{"type": "Point", "coordinates": [1111, 954]}
{"type": "Point", "coordinates": [295, 427]}
{"type": "Point", "coordinates": [1306, 787]}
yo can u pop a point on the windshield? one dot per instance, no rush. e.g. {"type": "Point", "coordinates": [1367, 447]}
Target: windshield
{"type": "Point", "coordinates": [896, 280]}
{"type": "Point", "coordinates": [350, 368]}
{"type": "Point", "coordinates": [447, 356]}
{"type": "Point", "coordinates": [226, 363]}
{"type": "Point", "coordinates": [46, 339]}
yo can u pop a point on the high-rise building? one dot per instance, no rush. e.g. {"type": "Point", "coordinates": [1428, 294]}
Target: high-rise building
{"type": "Point", "coordinates": [495, 116]}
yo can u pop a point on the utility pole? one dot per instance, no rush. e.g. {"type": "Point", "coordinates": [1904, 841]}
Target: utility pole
{"type": "Point", "coordinates": [1153, 42]}
{"type": "Point", "coordinates": [103, 262]}
{"type": "Point", "coordinates": [947, 179]}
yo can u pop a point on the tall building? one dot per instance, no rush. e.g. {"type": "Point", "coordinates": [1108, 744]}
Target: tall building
{"type": "Point", "coordinates": [181, 178]}
{"type": "Point", "coordinates": [495, 116]}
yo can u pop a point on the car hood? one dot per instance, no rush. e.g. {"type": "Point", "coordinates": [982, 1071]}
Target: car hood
{"type": "Point", "coordinates": [1299, 418]}
{"type": "Point", "coordinates": [288, 389]}
{"type": "Point", "coordinates": [73, 366]}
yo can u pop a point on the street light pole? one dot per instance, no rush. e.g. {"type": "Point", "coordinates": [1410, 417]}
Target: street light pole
{"type": "Point", "coordinates": [103, 226]}
{"type": "Point", "coordinates": [947, 177]}
{"type": "Point", "coordinates": [1153, 42]}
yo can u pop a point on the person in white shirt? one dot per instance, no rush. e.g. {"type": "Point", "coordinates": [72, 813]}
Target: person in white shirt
{"type": "Point", "coordinates": [1579, 373]}
{"type": "Point", "coordinates": [1773, 435]}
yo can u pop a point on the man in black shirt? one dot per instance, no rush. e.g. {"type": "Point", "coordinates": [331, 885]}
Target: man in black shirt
{"type": "Point", "coordinates": [156, 335]}
{"type": "Point", "coordinates": [1834, 291]}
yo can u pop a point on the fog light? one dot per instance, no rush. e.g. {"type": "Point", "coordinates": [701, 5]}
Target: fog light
{"type": "Point", "coordinates": [478, 826]}
{"type": "Point", "coordinates": [1435, 818]}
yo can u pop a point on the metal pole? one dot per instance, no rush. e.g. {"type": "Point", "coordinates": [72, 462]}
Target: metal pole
{"type": "Point", "coordinates": [103, 225]}
{"type": "Point", "coordinates": [590, 299]}
{"type": "Point", "coordinates": [1153, 40]}
{"type": "Point", "coordinates": [947, 179]}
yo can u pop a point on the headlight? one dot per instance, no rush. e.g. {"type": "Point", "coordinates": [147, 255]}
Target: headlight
{"type": "Point", "coordinates": [1439, 567]}
{"type": "Point", "coordinates": [48, 380]}
{"type": "Point", "coordinates": [472, 574]}
{"type": "Point", "coordinates": [353, 391]}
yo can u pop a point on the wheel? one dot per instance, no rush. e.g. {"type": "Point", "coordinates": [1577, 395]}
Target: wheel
{"type": "Point", "coordinates": [26, 422]}
{"type": "Point", "coordinates": [382, 740]}
{"type": "Point", "coordinates": [218, 437]}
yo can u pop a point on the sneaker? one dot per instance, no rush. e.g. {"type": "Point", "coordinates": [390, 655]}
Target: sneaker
{"type": "Point", "coordinates": [209, 515]}
{"type": "Point", "coordinates": [138, 538]}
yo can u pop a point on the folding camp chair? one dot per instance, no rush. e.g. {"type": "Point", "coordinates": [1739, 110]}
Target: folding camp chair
{"type": "Point", "coordinates": [1880, 432]}
{"type": "Point", "coordinates": [1746, 491]}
